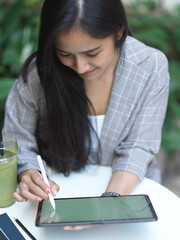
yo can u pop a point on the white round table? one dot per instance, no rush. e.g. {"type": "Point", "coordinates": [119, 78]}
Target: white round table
{"type": "Point", "coordinates": [92, 182]}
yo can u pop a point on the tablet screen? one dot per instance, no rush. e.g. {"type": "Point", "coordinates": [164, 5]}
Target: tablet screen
{"type": "Point", "coordinates": [93, 210]}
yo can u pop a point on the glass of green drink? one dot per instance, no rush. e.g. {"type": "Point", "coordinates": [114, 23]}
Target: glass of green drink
{"type": "Point", "coordinates": [8, 170]}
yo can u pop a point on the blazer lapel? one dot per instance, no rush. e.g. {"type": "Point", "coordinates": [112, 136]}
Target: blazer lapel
{"type": "Point", "coordinates": [128, 85]}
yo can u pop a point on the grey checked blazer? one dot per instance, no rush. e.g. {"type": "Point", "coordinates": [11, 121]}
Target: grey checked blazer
{"type": "Point", "coordinates": [131, 133]}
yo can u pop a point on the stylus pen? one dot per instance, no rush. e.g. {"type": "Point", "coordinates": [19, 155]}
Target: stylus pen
{"type": "Point", "coordinates": [25, 229]}
{"type": "Point", "coordinates": [45, 180]}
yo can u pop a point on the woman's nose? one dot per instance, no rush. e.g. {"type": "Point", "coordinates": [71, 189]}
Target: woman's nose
{"type": "Point", "coordinates": [80, 65]}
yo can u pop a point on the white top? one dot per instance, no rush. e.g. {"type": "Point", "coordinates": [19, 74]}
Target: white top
{"type": "Point", "coordinates": [97, 123]}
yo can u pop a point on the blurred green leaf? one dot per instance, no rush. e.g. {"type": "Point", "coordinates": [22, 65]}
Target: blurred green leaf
{"type": "Point", "coordinates": [5, 86]}
{"type": "Point", "coordinates": [155, 37]}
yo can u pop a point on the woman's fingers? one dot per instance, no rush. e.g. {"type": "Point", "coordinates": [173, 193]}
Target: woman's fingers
{"type": "Point", "coordinates": [34, 178]}
{"type": "Point", "coordinates": [54, 187]}
{"type": "Point", "coordinates": [25, 196]}
{"type": "Point", "coordinates": [31, 191]}
{"type": "Point", "coordinates": [38, 180]}
{"type": "Point", "coordinates": [32, 187]}
{"type": "Point", "coordinates": [17, 196]}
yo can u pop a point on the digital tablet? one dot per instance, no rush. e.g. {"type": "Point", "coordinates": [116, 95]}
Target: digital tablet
{"type": "Point", "coordinates": [96, 210]}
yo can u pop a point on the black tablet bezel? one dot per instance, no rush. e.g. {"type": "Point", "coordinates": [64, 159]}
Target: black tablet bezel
{"type": "Point", "coordinates": [74, 223]}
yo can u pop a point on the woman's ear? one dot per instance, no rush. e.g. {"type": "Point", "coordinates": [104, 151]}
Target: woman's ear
{"type": "Point", "coordinates": [120, 33]}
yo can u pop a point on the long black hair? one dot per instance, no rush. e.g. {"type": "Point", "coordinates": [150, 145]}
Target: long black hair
{"type": "Point", "coordinates": [67, 104]}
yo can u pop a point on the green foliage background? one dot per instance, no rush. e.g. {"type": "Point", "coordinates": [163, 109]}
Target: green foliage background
{"type": "Point", "coordinates": [19, 24]}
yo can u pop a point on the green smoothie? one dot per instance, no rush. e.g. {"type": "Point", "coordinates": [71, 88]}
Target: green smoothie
{"type": "Point", "coordinates": [8, 177]}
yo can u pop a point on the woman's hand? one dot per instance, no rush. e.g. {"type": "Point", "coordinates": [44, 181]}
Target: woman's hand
{"type": "Point", "coordinates": [32, 187]}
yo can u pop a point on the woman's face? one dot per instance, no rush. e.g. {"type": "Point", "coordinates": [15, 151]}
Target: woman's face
{"type": "Point", "coordinates": [91, 58]}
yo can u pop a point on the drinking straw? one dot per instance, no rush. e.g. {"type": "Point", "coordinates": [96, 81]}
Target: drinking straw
{"type": "Point", "coordinates": [1, 143]}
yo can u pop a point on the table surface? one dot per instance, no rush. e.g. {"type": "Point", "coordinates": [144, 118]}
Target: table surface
{"type": "Point", "coordinates": [92, 182]}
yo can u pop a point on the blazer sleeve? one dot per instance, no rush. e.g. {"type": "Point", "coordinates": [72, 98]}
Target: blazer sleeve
{"type": "Point", "coordinates": [137, 151]}
{"type": "Point", "coordinates": [21, 113]}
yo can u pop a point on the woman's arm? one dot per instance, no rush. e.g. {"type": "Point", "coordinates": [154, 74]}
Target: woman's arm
{"type": "Point", "coordinates": [141, 138]}
{"type": "Point", "coordinates": [122, 182]}
{"type": "Point", "coordinates": [21, 116]}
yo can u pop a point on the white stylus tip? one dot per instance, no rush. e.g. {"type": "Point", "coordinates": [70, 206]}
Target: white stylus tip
{"type": "Point", "coordinates": [52, 200]}
{"type": "Point", "coordinates": [45, 179]}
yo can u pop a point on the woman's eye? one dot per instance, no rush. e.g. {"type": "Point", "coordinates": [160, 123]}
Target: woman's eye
{"type": "Point", "coordinates": [64, 55]}
{"type": "Point", "coordinates": [68, 55]}
{"type": "Point", "coordinates": [92, 55]}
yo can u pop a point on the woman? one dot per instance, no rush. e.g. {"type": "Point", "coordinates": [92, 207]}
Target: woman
{"type": "Point", "coordinates": [91, 94]}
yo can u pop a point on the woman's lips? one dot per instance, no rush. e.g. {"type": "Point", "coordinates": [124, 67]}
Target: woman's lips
{"type": "Point", "coordinates": [88, 73]}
